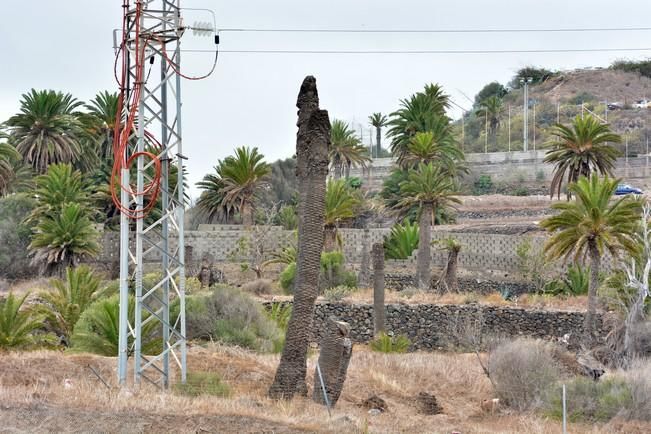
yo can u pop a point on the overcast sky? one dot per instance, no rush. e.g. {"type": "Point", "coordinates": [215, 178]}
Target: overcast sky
{"type": "Point", "coordinates": [66, 45]}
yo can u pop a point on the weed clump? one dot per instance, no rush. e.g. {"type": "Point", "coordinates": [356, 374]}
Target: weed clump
{"type": "Point", "coordinates": [385, 343]}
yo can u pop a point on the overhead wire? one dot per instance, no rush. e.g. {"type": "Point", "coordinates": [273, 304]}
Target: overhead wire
{"type": "Point", "coordinates": [391, 31]}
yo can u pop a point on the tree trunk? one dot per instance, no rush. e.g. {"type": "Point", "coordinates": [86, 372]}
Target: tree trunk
{"type": "Point", "coordinates": [330, 238]}
{"type": "Point", "coordinates": [246, 212]}
{"type": "Point", "coordinates": [312, 143]}
{"type": "Point", "coordinates": [378, 288]}
{"type": "Point", "coordinates": [363, 276]}
{"type": "Point", "coordinates": [378, 131]}
{"type": "Point", "coordinates": [589, 326]}
{"type": "Point", "coordinates": [451, 281]}
{"type": "Point", "coordinates": [347, 175]}
{"type": "Point", "coordinates": [424, 249]}
{"type": "Point", "coordinates": [336, 350]}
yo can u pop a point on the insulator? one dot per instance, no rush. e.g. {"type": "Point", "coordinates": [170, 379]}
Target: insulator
{"type": "Point", "coordinates": [203, 28]}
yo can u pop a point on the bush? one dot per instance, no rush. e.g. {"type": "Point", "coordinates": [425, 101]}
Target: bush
{"type": "Point", "coordinates": [232, 317]}
{"type": "Point", "coordinates": [332, 273]}
{"type": "Point", "coordinates": [337, 293]}
{"type": "Point", "coordinates": [17, 324]}
{"type": "Point", "coordinates": [521, 191]}
{"type": "Point", "coordinates": [280, 314]}
{"type": "Point", "coordinates": [384, 343]}
{"type": "Point", "coordinates": [402, 241]}
{"type": "Point", "coordinates": [575, 282]}
{"type": "Point", "coordinates": [483, 185]}
{"type": "Point", "coordinates": [258, 287]}
{"type": "Point", "coordinates": [638, 379]}
{"type": "Point", "coordinates": [203, 383]}
{"type": "Point", "coordinates": [287, 278]}
{"type": "Point", "coordinates": [590, 401]}
{"type": "Point", "coordinates": [522, 372]}
{"type": "Point", "coordinates": [15, 235]}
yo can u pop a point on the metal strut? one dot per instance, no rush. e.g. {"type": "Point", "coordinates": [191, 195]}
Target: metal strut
{"type": "Point", "coordinates": [158, 237]}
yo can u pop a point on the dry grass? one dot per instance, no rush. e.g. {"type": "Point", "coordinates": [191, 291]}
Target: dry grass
{"type": "Point", "coordinates": [33, 397]}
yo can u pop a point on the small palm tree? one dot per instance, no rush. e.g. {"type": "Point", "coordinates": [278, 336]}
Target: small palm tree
{"type": "Point", "coordinates": [346, 149]}
{"type": "Point", "coordinates": [61, 184]}
{"type": "Point", "coordinates": [68, 300]}
{"type": "Point", "coordinates": [430, 188]}
{"type": "Point", "coordinates": [341, 203]}
{"type": "Point", "coordinates": [491, 108]}
{"type": "Point", "coordinates": [243, 175]}
{"type": "Point", "coordinates": [46, 131]}
{"type": "Point", "coordinates": [579, 150]}
{"type": "Point", "coordinates": [17, 325]}
{"type": "Point", "coordinates": [589, 226]}
{"type": "Point", "coordinates": [63, 238]}
{"type": "Point", "coordinates": [378, 121]}
{"type": "Point", "coordinates": [402, 241]}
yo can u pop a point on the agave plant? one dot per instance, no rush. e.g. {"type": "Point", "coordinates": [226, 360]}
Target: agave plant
{"type": "Point", "coordinates": [402, 241]}
{"type": "Point", "coordinates": [17, 324]}
{"type": "Point", "coordinates": [68, 300]}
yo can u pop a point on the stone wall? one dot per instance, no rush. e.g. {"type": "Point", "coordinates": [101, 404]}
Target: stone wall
{"type": "Point", "coordinates": [431, 326]}
{"type": "Point", "coordinates": [399, 282]}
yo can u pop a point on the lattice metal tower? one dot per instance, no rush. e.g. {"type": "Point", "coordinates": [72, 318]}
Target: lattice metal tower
{"type": "Point", "coordinates": [153, 29]}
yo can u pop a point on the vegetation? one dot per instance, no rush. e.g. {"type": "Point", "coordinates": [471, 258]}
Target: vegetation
{"type": "Point", "coordinates": [491, 109]}
{"type": "Point", "coordinates": [402, 241]}
{"type": "Point", "coordinates": [642, 67]}
{"type": "Point", "coordinates": [341, 203]}
{"type": "Point", "coordinates": [378, 121]}
{"type": "Point", "coordinates": [591, 225]}
{"type": "Point", "coordinates": [17, 323]}
{"type": "Point", "coordinates": [15, 234]}
{"type": "Point", "coordinates": [575, 282]}
{"type": "Point", "coordinates": [202, 384]}
{"type": "Point", "coordinates": [580, 150]}
{"type": "Point", "coordinates": [332, 273]}
{"type": "Point", "coordinates": [385, 343]}
{"type": "Point", "coordinates": [346, 150]}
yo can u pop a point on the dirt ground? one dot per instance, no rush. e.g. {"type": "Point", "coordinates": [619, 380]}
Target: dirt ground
{"type": "Point", "coordinates": [34, 397]}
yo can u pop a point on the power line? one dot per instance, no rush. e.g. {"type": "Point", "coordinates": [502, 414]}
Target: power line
{"type": "Point", "coordinates": [502, 30]}
{"type": "Point", "coordinates": [505, 51]}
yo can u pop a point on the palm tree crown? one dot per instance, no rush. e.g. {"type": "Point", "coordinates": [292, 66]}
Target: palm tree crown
{"type": "Point", "coordinates": [436, 146]}
{"type": "Point", "coordinates": [8, 158]}
{"type": "Point", "coordinates": [427, 184]}
{"type": "Point", "coordinates": [346, 149]}
{"type": "Point", "coordinates": [491, 108]}
{"type": "Point", "coordinates": [46, 131]}
{"type": "Point", "coordinates": [580, 149]}
{"type": "Point", "coordinates": [378, 121]}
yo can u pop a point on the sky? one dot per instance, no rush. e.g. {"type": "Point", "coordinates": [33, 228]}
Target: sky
{"type": "Point", "coordinates": [66, 45]}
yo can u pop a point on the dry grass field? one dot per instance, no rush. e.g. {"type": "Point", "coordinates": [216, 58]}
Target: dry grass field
{"type": "Point", "coordinates": [45, 391]}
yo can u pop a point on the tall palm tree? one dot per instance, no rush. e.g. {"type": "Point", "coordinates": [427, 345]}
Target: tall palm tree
{"type": "Point", "coordinates": [580, 149]}
{"type": "Point", "coordinates": [419, 113]}
{"type": "Point", "coordinates": [430, 188]}
{"type": "Point", "coordinates": [243, 175]}
{"type": "Point", "coordinates": [346, 149]}
{"type": "Point", "coordinates": [46, 131]}
{"type": "Point", "coordinates": [210, 204]}
{"type": "Point", "coordinates": [378, 121]}
{"type": "Point", "coordinates": [491, 108]}
{"type": "Point", "coordinates": [437, 146]}
{"type": "Point", "coordinates": [341, 203]}
{"type": "Point", "coordinates": [589, 226]}
{"type": "Point", "coordinates": [100, 121]}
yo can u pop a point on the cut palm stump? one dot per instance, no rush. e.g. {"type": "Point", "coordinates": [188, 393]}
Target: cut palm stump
{"type": "Point", "coordinates": [336, 350]}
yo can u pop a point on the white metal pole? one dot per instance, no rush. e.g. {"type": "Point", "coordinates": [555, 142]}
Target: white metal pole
{"type": "Point", "coordinates": [526, 113]}
{"type": "Point", "coordinates": [486, 132]}
{"type": "Point", "coordinates": [509, 127]}
{"type": "Point", "coordinates": [123, 340]}
{"type": "Point", "coordinates": [564, 411]}
{"type": "Point", "coordinates": [533, 127]}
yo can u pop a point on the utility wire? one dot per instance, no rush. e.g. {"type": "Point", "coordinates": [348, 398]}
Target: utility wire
{"type": "Point", "coordinates": [520, 30]}
{"type": "Point", "coordinates": [543, 50]}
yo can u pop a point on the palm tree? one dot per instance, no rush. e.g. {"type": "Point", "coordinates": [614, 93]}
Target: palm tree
{"type": "Point", "coordinates": [420, 113]}
{"type": "Point", "coordinates": [100, 121]}
{"type": "Point", "coordinates": [17, 325]}
{"type": "Point", "coordinates": [589, 226]}
{"type": "Point", "coordinates": [8, 158]}
{"type": "Point", "coordinates": [430, 188]}
{"type": "Point", "coordinates": [46, 131]}
{"type": "Point", "coordinates": [68, 300]}
{"type": "Point", "coordinates": [402, 241]}
{"type": "Point", "coordinates": [341, 203]}
{"type": "Point", "coordinates": [579, 150]}
{"type": "Point", "coordinates": [378, 121]}
{"type": "Point", "coordinates": [436, 146]}
{"type": "Point", "coordinates": [60, 185]}
{"type": "Point", "coordinates": [346, 149]}
{"type": "Point", "coordinates": [211, 203]}
{"type": "Point", "coordinates": [243, 175]}
{"type": "Point", "coordinates": [491, 109]}
{"type": "Point", "coordinates": [63, 238]}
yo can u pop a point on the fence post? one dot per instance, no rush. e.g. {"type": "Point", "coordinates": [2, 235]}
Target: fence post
{"type": "Point", "coordinates": [564, 411]}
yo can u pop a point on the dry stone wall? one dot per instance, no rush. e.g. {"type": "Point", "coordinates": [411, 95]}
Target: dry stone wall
{"type": "Point", "coordinates": [432, 326]}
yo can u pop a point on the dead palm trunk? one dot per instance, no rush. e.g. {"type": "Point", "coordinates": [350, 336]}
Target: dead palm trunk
{"type": "Point", "coordinates": [449, 277]}
{"type": "Point", "coordinates": [378, 288]}
{"type": "Point", "coordinates": [589, 326]}
{"type": "Point", "coordinates": [378, 137]}
{"type": "Point", "coordinates": [312, 143]}
{"type": "Point", "coordinates": [424, 250]}
{"type": "Point", "coordinates": [336, 350]}
{"type": "Point", "coordinates": [330, 238]}
{"type": "Point", "coordinates": [363, 276]}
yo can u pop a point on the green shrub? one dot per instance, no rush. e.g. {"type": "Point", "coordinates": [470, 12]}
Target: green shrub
{"type": "Point", "coordinates": [402, 241]}
{"type": "Point", "coordinates": [97, 330]}
{"type": "Point", "coordinates": [280, 314]}
{"type": "Point", "coordinates": [203, 384]}
{"type": "Point", "coordinates": [522, 371]}
{"type": "Point", "coordinates": [590, 401]}
{"type": "Point", "coordinates": [233, 317]}
{"type": "Point", "coordinates": [17, 324]}
{"type": "Point", "coordinates": [287, 217]}
{"type": "Point", "coordinates": [354, 182]}
{"type": "Point", "coordinates": [337, 293]}
{"type": "Point", "coordinates": [287, 278]}
{"type": "Point", "coordinates": [483, 185]}
{"type": "Point", "coordinates": [521, 191]}
{"type": "Point", "coordinates": [575, 282]}
{"type": "Point", "coordinates": [15, 235]}
{"type": "Point", "coordinates": [385, 343]}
